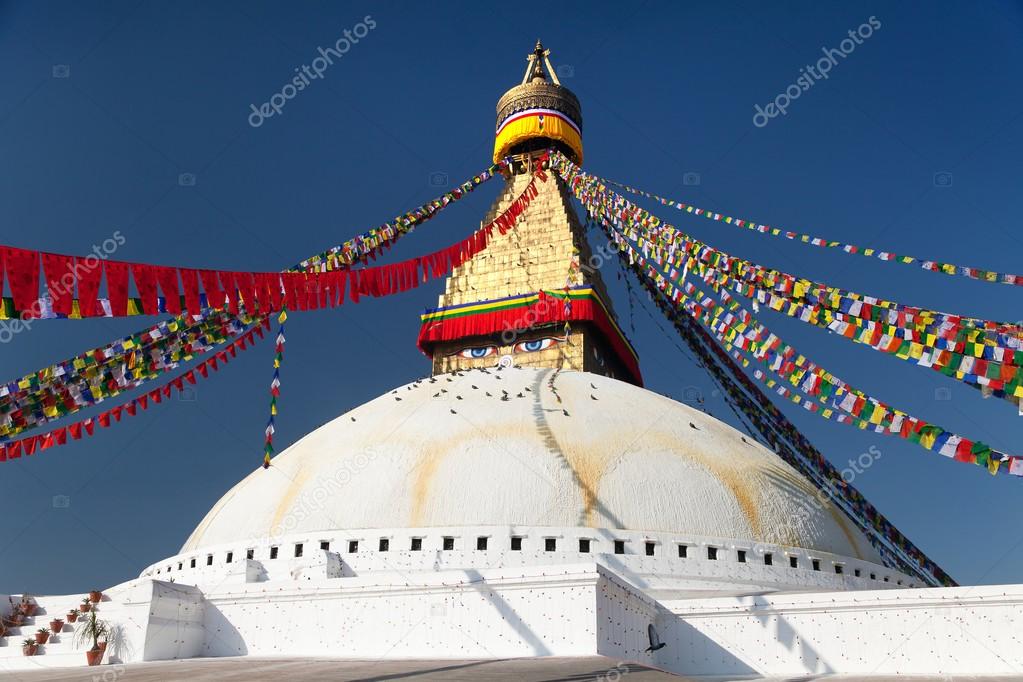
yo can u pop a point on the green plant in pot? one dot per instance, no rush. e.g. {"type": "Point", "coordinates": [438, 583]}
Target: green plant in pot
{"type": "Point", "coordinates": [86, 605]}
{"type": "Point", "coordinates": [56, 625]}
{"type": "Point", "coordinates": [27, 606]}
{"type": "Point", "coordinates": [89, 632]}
{"type": "Point", "coordinates": [29, 647]}
{"type": "Point", "coordinates": [42, 634]}
{"type": "Point", "coordinates": [72, 615]}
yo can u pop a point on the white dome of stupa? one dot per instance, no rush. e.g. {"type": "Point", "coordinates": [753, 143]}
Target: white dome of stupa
{"type": "Point", "coordinates": [498, 447]}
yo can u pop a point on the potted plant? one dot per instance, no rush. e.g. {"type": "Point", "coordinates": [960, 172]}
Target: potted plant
{"type": "Point", "coordinates": [14, 620]}
{"type": "Point", "coordinates": [29, 647]}
{"type": "Point", "coordinates": [42, 634]}
{"type": "Point", "coordinates": [56, 625]}
{"type": "Point", "coordinates": [72, 615]}
{"type": "Point", "coordinates": [89, 632]}
{"type": "Point", "coordinates": [86, 605]}
{"type": "Point", "coordinates": [3, 628]}
{"type": "Point", "coordinates": [27, 606]}
{"type": "Point", "coordinates": [95, 596]}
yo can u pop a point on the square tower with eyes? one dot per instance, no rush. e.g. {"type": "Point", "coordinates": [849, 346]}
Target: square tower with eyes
{"type": "Point", "coordinates": [545, 252]}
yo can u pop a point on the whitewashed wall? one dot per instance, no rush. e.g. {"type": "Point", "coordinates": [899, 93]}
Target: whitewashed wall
{"type": "Point", "coordinates": [447, 614]}
{"type": "Point", "coordinates": [934, 631]}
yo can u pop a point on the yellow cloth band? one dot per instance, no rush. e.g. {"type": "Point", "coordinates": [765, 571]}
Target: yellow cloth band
{"type": "Point", "coordinates": [526, 125]}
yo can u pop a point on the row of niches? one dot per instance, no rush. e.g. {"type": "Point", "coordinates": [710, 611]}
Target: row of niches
{"type": "Point", "coordinates": [520, 543]}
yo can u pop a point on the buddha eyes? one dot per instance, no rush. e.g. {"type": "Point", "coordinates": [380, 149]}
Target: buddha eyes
{"type": "Point", "coordinates": [478, 352]}
{"type": "Point", "coordinates": [534, 345]}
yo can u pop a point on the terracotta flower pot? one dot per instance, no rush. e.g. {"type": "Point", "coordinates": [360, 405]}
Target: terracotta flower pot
{"type": "Point", "coordinates": [85, 607]}
{"type": "Point", "coordinates": [94, 656]}
{"type": "Point", "coordinates": [56, 625]}
{"type": "Point", "coordinates": [95, 596]}
{"type": "Point", "coordinates": [41, 637]}
{"type": "Point", "coordinates": [29, 649]}
{"type": "Point", "coordinates": [28, 609]}
{"type": "Point", "coordinates": [72, 616]}
{"type": "Point", "coordinates": [102, 646]}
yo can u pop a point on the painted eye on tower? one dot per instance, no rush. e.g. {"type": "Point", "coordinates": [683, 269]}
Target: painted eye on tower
{"type": "Point", "coordinates": [477, 352]}
{"type": "Point", "coordinates": [535, 345]}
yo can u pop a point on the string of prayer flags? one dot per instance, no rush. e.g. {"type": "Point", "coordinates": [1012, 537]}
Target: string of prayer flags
{"type": "Point", "coordinates": [887, 256]}
{"type": "Point", "coordinates": [31, 445]}
{"type": "Point", "coordinates": [275, 389]}
{"type": "Point", "coordinates": [779, 433]}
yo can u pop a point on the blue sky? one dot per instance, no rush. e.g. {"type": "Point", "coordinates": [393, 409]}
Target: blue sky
{"type": "Point", "coordinates": [911, 144]}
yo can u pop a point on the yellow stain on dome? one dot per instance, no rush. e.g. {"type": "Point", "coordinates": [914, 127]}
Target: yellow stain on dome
{"type": "Point", "coordinates": [287, 499]}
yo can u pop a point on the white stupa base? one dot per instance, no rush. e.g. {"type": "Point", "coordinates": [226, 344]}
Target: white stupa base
{"type": "Point", "coordinates": [582, 609]}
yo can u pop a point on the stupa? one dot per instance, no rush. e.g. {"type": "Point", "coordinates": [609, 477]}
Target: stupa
{"type": "Point", "coordinates": [531, 498]}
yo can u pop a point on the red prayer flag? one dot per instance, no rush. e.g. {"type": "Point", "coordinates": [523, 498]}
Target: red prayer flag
{"type": "Point", "coordinates": [117, 287]}
{"type": "Point", "coordinates": [190, 376]}
{"type": "Point", "coordinates": [246, 284]}
{"type": "Point", "coordinates": [227, 281]}
{"type": "Point", "coordinates": [145, 282]}
{"type": "Point", "coordinates": [23, 278]}
{"type": "Point", "coordinates": [104, 419]}
{"type": "Point", "coordinates": [29, 444]}
{"type": "Point", "coordinates": [90, 425]}
{"type": "Point", "coordinates": [75, 430]}
{"type": "Point", "coordinates": [60, 435]}
{"type": "Point", "coordinates": [190, 283]}
{"type": "Point", "coordinates": [211, 285]}
{"type": "Point", "coordinates": [143, 401]}
{"type": "Point", "coordinates": [60, 281]}
{"type": "Point", "coordinates": [168, 279]}
{"type": "Point", "coordinates": [203, 369]}
{"type": "Point", "coordinates": [14, 450]}
{"type": "Point", "coordinates": [88, 286]}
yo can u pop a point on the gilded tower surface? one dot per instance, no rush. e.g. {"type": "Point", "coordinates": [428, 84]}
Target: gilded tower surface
{"type": "Point", "coordinates": [545, 256]}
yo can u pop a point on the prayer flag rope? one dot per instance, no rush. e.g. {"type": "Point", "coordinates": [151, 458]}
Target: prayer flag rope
{"type": "Point", "coordinates": [768, 349]}
{"type": "Point", "coordinates": [91, 379]}
{"type": "Point", "coordinates": [275, 389]}
{"type": "Point", "coordinates": [778, 431]}
{"type": "Point", "coordinates": [887, 256]}
{"type": "Point", "coordinates": [964, 355]}
{"type": "Point", "coordinates": [77, 430]}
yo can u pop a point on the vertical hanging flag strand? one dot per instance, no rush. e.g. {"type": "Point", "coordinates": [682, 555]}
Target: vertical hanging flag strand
{"type": "Point", "coordinates": [275, 388]}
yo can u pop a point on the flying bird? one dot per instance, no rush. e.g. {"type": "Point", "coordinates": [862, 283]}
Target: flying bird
{"type": "Point", "coordinates": [453, 412]}
{"type": "Point", "coordinates": [655, 641]}
{"type": "Point", "coordinates": [593, 397]}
